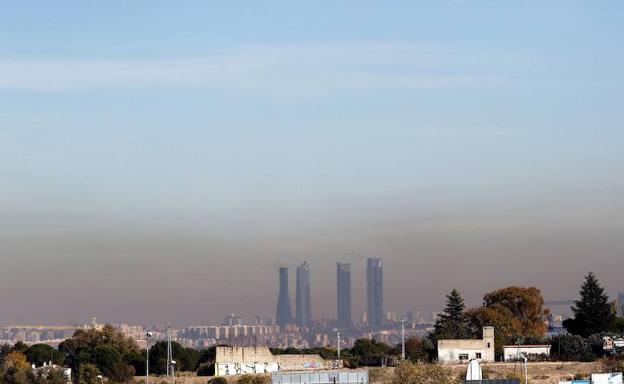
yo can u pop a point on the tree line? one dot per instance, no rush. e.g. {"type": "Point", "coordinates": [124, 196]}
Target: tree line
{"type": "Point", "coordinates": [517, 314]}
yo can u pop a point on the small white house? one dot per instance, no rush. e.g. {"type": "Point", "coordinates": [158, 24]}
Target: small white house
{"type": "Point", "coordinates": [513, 352]}
{"type": "Point", "coordinates": [455, 351]}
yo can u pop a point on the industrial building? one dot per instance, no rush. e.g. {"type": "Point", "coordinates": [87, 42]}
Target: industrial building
{"type": "Point", "coordinates": [463, 350]}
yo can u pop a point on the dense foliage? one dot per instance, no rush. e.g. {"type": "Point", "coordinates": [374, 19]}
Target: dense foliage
{"type": "Point", "coordinates": [592, 312]}
{"type": "Point", "coordinates": [108, 350]}
{"type": "Point", "coordinates": [453, 323]}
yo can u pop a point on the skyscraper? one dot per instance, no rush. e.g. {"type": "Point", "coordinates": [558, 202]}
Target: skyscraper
{"type": "Point", "coordinates": [343, 294]}
{"type": "Point", "coordinates": [374, 291]}
{"type": "Point", "coordinates": [283, 315]}
{"type": "Point", "coordinates": [303, 306]}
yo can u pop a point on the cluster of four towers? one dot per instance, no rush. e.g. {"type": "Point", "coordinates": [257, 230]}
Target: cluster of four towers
{"type": "Point", "coordinates": [303, 306]}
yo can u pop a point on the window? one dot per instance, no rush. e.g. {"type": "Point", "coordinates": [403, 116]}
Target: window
{"type": "Point", "coordinates": [488, 345]}
{"type": "Point", "coordinates": [478, 355]}
{"type": "Point", "coordinates": [463, 357]}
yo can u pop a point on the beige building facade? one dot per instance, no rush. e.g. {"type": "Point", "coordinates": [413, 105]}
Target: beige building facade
{"type": "Point", "coordinates": [457, 351]}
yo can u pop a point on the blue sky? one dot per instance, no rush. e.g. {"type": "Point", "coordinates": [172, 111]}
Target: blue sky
{"type": "Point", "coordinates": [271, 132]}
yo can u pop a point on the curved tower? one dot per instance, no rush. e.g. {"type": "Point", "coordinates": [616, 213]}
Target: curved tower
{"type": "Point", "coordinates": [283, 314]}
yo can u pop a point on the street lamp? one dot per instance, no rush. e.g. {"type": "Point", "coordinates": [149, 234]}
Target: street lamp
{"type": "Point", "coordinates": [149, 336]}
{"type": "Point", "coordinates": [402, 339]}
{"type": "Point", "coordinates": [526, 375]}
{"type": "Point", "coordinates": [337, 341]}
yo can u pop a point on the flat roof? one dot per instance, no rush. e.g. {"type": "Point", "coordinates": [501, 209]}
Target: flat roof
{"type": "Point", "coordinates": [528, 346]}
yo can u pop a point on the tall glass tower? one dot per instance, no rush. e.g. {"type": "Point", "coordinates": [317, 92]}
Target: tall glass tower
{"type": "Point", "coordinates": [343, 294]}
{"type": "Point", "coordinates": [283, 315]}
{"type": "Point", "coordinates": [303, 306]}
{"type": "Point", "coordinates": [374, 291]}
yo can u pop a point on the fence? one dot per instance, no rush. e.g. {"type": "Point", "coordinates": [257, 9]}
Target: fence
{"type": "Point", "coordinates": [321, 377]}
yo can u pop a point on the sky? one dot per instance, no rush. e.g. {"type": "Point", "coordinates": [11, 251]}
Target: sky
{"type": "Point", "coordinates": [160, 160]}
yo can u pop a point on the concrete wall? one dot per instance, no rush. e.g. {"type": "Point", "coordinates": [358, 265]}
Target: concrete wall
{"type": "Point", "coordinates": [241, 360]}
{"type": "Point", "coordinates": [226, 354]}
{"type": "Point", "coordinates": [511, 352]}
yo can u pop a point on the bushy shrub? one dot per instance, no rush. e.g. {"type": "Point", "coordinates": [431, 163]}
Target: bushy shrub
{"type": "Point", "coordinates": [253, 379]}
{"type": "Point", "coordinates": [612, 364]}
{"type": "Point", "coordinates": [207, 369]}
{"type": "Point", "coordinates": [218, 380]}
{"type": "Point", "coordinates": [421, 373]}
{"type": "Point", "coordinates": [571, 348]}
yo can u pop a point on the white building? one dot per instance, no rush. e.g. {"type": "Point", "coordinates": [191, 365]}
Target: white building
{"type": "Point", "coordinates": [513, 352]}
{"type": "Point", "coordinates": [463, 350]}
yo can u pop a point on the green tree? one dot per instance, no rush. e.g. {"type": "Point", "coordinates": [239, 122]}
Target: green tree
{"type": "Point", "coordinates": [452, 323]}
{"type": "Point", "coordinates": [571, 348]}
{"type": "Point", "coordinates": [592, 312]}
{"type": "Point", "coordinates": [87, 374]}
{"type": "Point", "coordinates": [108, 349]}
{"type": "Point", "coordinates": [369, 352]}
{"type": "Point", "coordinates": [19, 347]}
{"type": "Point", "coordinates": [206, 362]}
{"type": "Point", "coordinates": [416, 349]}
{"type": "Point", "coordinates": [106, 358]}
{"type": "Point", "coordinates": [42, 353]}
{"type": "Point", "coordinates": [137, 361]}
{"type": "Point", "coordinates": [187, 359]}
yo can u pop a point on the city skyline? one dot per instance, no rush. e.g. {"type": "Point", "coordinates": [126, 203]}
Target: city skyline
{"type": "Point", "coordinates": [160, 162]}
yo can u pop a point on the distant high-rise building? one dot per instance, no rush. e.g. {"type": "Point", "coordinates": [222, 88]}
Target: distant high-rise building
{"type": "Point", "coordinates": [620, 304]}
{"type": "Point", "coordinates": [283, 315]}
{"type": "Point", "coordinates": [409, 316]}
{"type": "Point", "coordinates": [343, 294]}
{"type": "Point", "coordinates": [232, 319]}
{"type": "Point", "coordinates": [374, 291]}
{"type": "Point", "coordinates": [363, 318]}
{"type": "Point", "coordinates": [303, 305]}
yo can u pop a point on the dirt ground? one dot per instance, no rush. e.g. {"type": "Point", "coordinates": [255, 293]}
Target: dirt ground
{"type": "Point", "coordinates": [539, 373]}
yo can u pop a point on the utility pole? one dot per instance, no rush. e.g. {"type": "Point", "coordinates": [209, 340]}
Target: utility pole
{"type": "Point", "coordinates": [149, 336]}
{"type": "Point", "coordinates": [169, 352]}
{"type": "Point", "coordinates": [338, 342]}
{"type": "Point", "coordinates": [402, 339]}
